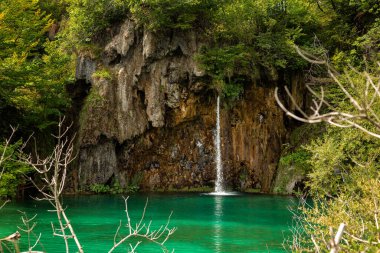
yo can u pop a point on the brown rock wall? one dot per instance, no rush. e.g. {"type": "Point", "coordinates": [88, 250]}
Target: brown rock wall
{"type": "Point", "coordinates": [155, 119]}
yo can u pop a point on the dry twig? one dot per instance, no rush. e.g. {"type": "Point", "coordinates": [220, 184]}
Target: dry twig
{"type": "Point", "coordinates": [142, 230]}
{"type": "Point", "coordinates": [29, 225]}
{"type": "Point", "coordinates": [322, 110]}
{"type": "Point", "coordinates": [4, 155]}
{"type": "Point", "coordinates": [53, 171]}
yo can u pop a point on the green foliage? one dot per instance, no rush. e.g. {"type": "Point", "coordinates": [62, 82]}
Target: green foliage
{"type": "Point", "coordinates": [94, 99]}
{"type": "Point", "coordinates": [294, 164]}
{"type": "Point", "coordinates": [115, 188]}
{"type": "Point", "coordinates": [298, 158]}
{"type": "Point", "coordinates": [253, 40]}
{"type": "Point", "coordinates": [33, 75]}
{"type": "Point", "coordinates": [351, 28]}
{"type": "Point", "coordinates": [356, 205]}
{"type": "Point", "coordinates": [13, 171]}
{"type": "Point", "coordinates": [265, 31]}
{"type": "Point", "coordinates": [344, 180]}
{"type": "Point", "coordinates": [102, 73]}
{"type": "Point", "coordinates": [335, 157]}
{"type": "Point", "coordinates": [173, 14]}
{"type": "Point", "coordinates": [293, 167]}
{"type": "Point", "coordinates": [56, 8]}
{"type": "Point", "coordinates": [303, 135]}
{"type": "Point", "coordinates": [226, 61]}
{"type": "Point", "coordinates": [88, 18]}
{"type": "Point", "coordinates": [269, 29]}
{"type": "Point", "coordinates": [133, 184]}
{"type": "Point", "coordinates": [22, 27]}
{"type": "Point", "coordinates": [232, 91]}
{"type": "Point", "coordinates": [355, 82]}
{"type": "Point", "coordinates": [224, 65]}
{"type": "Point", "coordinates": [249, 40]}
{"type": "Point", "coordinates": [100, 188]}
{"type": "Point", "coordinates": [33, 71]}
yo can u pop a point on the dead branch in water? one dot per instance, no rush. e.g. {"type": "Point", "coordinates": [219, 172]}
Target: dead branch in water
{"type": "Point", "coordinates": [142, 230]}
{"type": "Point", "coordinates": [53, 171]}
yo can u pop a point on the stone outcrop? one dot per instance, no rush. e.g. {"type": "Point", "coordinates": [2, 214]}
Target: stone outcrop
{"type": "Point", "coordinates": [255, 138]}
{"type": "Point", "coordinates": [150, 121]}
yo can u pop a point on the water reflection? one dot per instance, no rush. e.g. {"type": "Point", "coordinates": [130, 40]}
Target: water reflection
{"type": "Point", "coordinates": [218, 214]}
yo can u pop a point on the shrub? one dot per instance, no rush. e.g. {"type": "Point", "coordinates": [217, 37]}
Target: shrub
{"type": "Point", "coordinates": [344, 183]}
{"type": "Point", "coordinates": [88, 18]}
{"type": "Point", "coordinates": [102, 73]}
{"type": "Point", "coordinates": [100, 188]}
{"type": "Point", "coordinates": [226, 65]}
{"type": "Point", "coordinates": [12, 171]}
{"type": "Point", "coordinates": [173, 14]}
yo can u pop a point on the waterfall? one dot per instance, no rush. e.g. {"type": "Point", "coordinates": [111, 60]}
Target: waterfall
{"type": "Point", "coordinates": [218, 156]}
{"type": "Point", "coordinates": [219, 183]}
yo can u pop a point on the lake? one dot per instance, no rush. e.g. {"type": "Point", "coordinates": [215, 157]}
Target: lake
{"type": "Point", "coordinates": [243, 223]}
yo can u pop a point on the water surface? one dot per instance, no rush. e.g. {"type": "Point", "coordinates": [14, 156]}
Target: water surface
{"type": "Point", "coordinates": [244, 223]}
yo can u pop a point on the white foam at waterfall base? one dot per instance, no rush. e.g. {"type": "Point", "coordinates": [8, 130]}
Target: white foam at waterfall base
{"type": "Point", "coordinates": [221, 193]}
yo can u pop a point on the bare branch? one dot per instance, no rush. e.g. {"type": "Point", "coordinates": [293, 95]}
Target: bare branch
{"type": "Point", "coordinates": [29, 230]}
{"type": "Point", "coordinates": [362, 96]}
{"type": "Point", "coordinates": [337, 238]}
{"type": "Point", "coordinates": [142, 230]}
{"type": "Point", "coordinates": [4, 155]}
{"type": "Point", "coordinates": [3, 204]}
{"type": "Point", "coordinates": [361, 240]}
{"type": "Point", "coordinates": [309, 57]}
{"type": "Point", "coordinates": [315, 244]}
{"type": "Point", "coordinates": [53, 171]}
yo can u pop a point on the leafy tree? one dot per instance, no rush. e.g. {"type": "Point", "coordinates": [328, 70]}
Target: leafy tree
{"type": "Point", "coordinates": [344, 183]}
{"type": "Point", "coordinates": [88, 18]}
{"type": "Point", "coordinates": [12, 170]}
{"type": "Point", "coordinates": [225, 65]}
{"type": "Point", "coordinates": [253, 40]}
{"type": "Point", "coordinates": [345, 177]}
{"type": "Point", "coordinates": [55, 8]}
{"type": "Point", "coordinates": [174, 14]}
{"type": "Point", "coordinates": [21, 31]}
{"type": "Point", "coordinates": [33, 70]}
{"type": "Point", "coordinates": [351, 29]}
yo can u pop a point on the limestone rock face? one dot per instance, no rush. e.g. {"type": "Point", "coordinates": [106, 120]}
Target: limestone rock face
{"type": "Point", "coordinates": [85, 68]}
{"type": "Point", "coordinates": [93, 162]}
{"type": "Point", "coordinates": [255, 138]}
{"type": "Point", "coordinates": [151, 124]}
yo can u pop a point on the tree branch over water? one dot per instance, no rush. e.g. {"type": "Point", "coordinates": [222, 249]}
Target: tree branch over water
{"type": "Point", "coordinates": [141, 230]}
{"type": "Point", "coordinates": [346, 99]}
{"type": "Point", "coordinates": [53, 171]}
{"type": "Point", "coordinates": [4, 155]}
{"type": "Point", "coordinates": [359, 88]}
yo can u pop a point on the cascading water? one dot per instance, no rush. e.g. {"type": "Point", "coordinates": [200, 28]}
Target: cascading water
{"type": "Point", "coordinates": [219, 183]}
{"type": "Point", "coordinates": [218, 154]}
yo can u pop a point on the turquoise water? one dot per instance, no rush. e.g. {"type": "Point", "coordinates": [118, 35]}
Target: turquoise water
{"type": "Point", "coordinates": [244, 223]}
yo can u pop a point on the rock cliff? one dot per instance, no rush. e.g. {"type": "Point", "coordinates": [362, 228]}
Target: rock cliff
{"type": "Point", "coordinates": [149, 117]}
